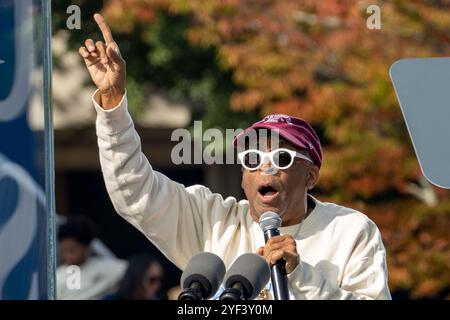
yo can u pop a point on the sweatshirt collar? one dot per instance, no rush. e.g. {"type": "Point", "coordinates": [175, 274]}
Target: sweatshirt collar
{"type": "Point", "coordinates": [302, 229]}
{"type": "Point", "coordinates": [308, 223]}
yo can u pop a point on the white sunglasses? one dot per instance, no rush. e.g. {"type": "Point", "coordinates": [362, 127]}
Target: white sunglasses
{"type": "Point", "coordinates": [282, 158]}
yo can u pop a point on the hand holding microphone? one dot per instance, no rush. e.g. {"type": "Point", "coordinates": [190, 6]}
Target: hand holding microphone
{"type": "Point", "coordinates": [281, 247]}
{"type": "Point", "coordinates": [280, 252]}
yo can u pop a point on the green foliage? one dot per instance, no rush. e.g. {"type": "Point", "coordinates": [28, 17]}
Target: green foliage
{"type": "Point", "coordinates": [135, 98]}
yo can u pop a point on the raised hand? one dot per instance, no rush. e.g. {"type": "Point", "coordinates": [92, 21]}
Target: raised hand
{"type": "Point", "coordinates": [105, 65]}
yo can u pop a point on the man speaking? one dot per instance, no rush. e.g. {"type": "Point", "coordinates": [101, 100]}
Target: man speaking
{"type": "Point", "coordinates": [330, 251]}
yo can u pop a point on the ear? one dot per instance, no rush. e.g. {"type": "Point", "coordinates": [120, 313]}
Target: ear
{"type": "Point", "coordinates": [313, 177]}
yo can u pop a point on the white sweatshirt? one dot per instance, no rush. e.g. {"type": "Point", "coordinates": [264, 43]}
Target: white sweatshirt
{"type": "Point", "coordinates": [341, 252]}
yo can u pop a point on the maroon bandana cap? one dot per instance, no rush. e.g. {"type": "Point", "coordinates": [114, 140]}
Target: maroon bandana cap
{"type": "Point", "coordinates": [295, 130]}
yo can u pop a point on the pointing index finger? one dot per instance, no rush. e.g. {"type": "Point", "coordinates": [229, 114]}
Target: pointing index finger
{"type": "Point", "coordinates": [106, 32]}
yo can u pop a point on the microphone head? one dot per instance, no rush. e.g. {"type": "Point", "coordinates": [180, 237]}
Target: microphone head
{"type": "Point", "coordinates": [207, 269]}
{"type": "Point", "coordinates": [269, 220]}
{"type": "Point", "coordinates": [251, 271]}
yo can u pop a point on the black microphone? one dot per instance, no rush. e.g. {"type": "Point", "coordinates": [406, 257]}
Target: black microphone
{"type": "Point", "coordinates": [202, 277]}
{"type": "Point", "coordinates": [245, 279]}
{"type": "Point", "coordinates": [269, 223]}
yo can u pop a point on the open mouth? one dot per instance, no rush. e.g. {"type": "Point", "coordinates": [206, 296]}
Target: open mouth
{"type": "Point", "coordinates": [267, 191]}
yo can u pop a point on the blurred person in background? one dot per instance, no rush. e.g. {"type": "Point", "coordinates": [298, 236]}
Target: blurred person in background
{"type": "Point", "coordinates": [142, 281]}
{"type": "Point", "coordinates": [97, 247]}
{"type": "Point", "coordinates": [99, 275]}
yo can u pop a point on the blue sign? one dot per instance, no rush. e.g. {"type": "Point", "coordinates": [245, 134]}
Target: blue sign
{"type": "Point", "coordinates": [23, 247]}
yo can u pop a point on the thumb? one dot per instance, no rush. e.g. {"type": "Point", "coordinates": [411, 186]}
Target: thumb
{"type": "Point", "coordinates": [113, 55]}
{"type": "Point", "coordinates": [260, 251]}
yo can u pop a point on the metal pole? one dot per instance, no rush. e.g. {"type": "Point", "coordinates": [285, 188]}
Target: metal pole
{"type": "Point", "coordinates": [49, 152]}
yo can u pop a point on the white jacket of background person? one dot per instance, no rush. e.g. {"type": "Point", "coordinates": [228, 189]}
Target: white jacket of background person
{"type": "Point", "coordinates": [341, 251]}
{"type": "Point", "coordinates": [94, 279]}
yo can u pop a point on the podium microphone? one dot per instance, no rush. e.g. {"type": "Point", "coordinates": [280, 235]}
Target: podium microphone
{"type": "Point", "coordinates": [245, 279]}
{"type": "Point", "coordinates": [270, 222]}
{"type": "Point", "coordinates": [202, 277]}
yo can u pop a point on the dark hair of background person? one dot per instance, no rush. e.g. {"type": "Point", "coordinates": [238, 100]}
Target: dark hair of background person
{"type": "Point", "coordinates": [134, 277]}
{"type": "Point", "coordinates": [78, 228]}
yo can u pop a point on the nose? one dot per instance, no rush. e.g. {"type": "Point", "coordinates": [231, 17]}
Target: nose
{"type": "Point", "coordinates": [265, 164]}
{"type": "Point", "coordinates": [267, 168]}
